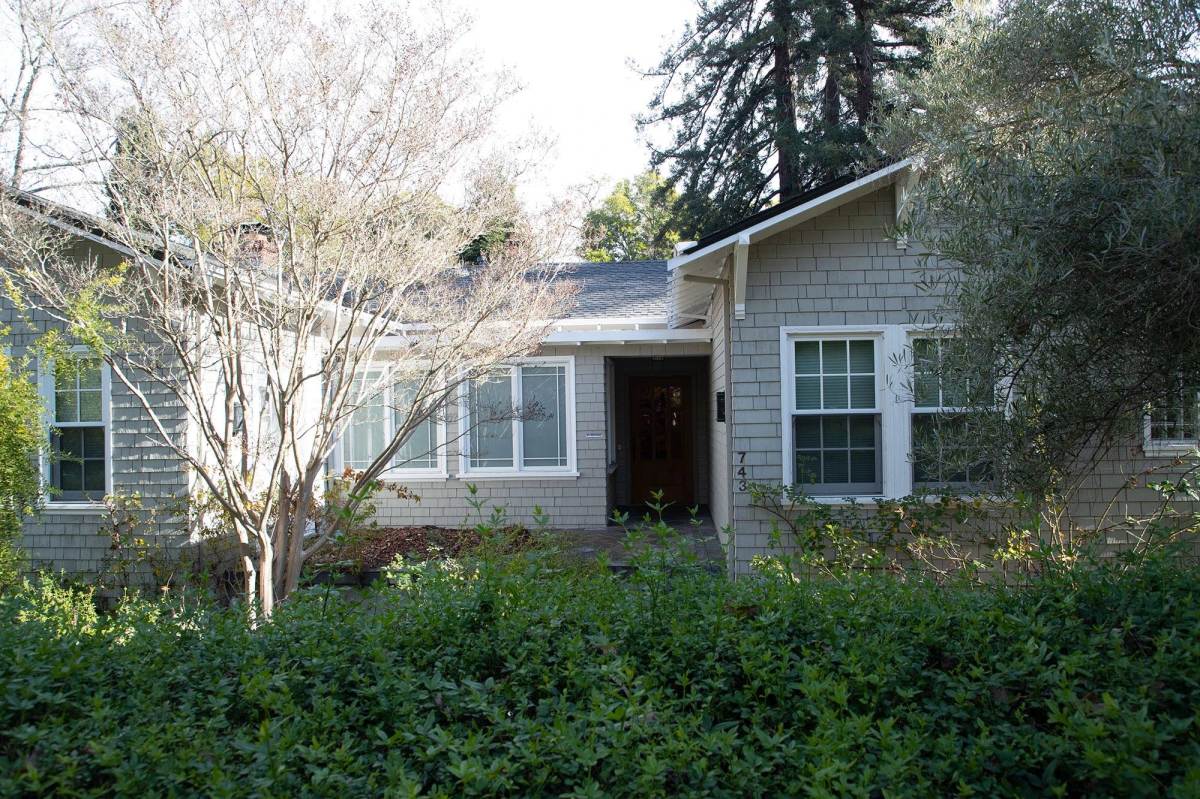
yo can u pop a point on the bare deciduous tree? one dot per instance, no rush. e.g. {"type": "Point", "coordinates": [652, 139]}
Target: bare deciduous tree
{"type": "Point", "coordinates": [40, 50]}
{"type": "Point", "coordinates": [278, 189]}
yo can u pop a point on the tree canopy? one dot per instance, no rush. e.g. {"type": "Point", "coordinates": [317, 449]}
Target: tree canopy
{"type": "Point", "coordinates": [634, 222]}
{"type": "Point", "coordinates": [763, 99]}
{"type": "Point", "coordinates": [1060, 147]}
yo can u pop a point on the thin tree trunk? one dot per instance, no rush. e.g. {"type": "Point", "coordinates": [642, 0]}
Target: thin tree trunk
{"type": "Point", "coordinates": [787, 137]}
{"type": "Point", "coordinates": [299, 521]}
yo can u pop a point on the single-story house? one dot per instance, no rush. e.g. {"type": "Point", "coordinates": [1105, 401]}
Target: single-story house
{"type": "Point", "coordinates": [770, 351]}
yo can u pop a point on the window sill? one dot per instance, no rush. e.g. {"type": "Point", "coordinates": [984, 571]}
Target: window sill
{"type": "Point", "coordinates": [415, 477]}
{"type": "Point", "coordinates": [1164, 449]}
{"type": "Point", "coordinates": [73, 508]}
{"type": "Point", "coordinates": [874, 500]}
{"type": "Point", "coordinates": [471, 477]}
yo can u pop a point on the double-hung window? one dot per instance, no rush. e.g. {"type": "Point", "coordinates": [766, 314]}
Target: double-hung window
{"type": "Point", "coordinates": [521, 419]}
{"type": "Point", "coordinates": [79, 412]}
{"type": "Point", "coordinates": [835, 416]}
{"type": "Point", "coordinates": [377, 419]}
{"type": "Point", "coordinates": [942, 422]}
{"type": "Point", "coordinates": [1173, 424]}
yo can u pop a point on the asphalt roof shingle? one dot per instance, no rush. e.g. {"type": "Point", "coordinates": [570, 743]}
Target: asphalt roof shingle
{"type": "Point", "coordinates": [618, 288]}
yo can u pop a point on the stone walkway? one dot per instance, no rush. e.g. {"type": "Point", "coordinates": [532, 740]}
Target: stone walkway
{"type": "Point", "coordinates": [612, 540]}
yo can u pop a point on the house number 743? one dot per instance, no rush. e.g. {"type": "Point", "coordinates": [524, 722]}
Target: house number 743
{"type": "Point", "coordinates": [741, 471]}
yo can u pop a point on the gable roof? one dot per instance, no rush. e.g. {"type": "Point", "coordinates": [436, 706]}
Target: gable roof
{"type": "Point", "coordinates": [793, 211]}
{"type": "Point", "coordinates": [767, 213]}
{"type": "Point", "coordinates": [693, 270]}
{"type": "Point", "coordinates": [618, 289]}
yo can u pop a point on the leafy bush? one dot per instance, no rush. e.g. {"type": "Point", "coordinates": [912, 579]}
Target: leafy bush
{"type": "Point", "coordinates": [519, 676]}
{"type": "Point", "coordinates": [21, 438]}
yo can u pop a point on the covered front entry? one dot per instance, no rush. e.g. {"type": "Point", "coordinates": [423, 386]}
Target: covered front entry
{"type": "Point", "coordinates": [659, 436]}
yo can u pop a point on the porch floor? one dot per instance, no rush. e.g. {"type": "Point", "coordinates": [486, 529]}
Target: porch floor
{"type": "Point", "coordinates": [701, 540]}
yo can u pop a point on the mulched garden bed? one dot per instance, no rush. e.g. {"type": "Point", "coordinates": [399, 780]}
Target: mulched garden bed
{"type": "Point", "coordinates": [371, 550]}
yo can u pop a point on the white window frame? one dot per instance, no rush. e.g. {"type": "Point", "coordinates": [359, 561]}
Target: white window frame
{"type": "Point", "coordinates": [439, 471]}
{"type": "Point", "coordinates": [46, 389]}
{"type": "Point", "coordinates": [893, 415]}
{"type": "Point", "coordinates": [1165, 447]}
{"type": "Point", "coordinates": [517, 470]}
{"type": "Point", "coordinates": [935, 333]}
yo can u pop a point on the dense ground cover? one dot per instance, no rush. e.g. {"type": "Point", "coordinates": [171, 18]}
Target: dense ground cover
{"type": "Point", "coordinates": [532, 678]}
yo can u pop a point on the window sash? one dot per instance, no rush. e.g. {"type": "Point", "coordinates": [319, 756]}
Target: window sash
{"type": "Point", "coordinates": [944, 430]}
{"type": "Point", "coordinates": [77, 396]}
{"type": "Point", "coordinates": [491, 427]}
{"type": "Point", "coordinates": [536, 435]}
{"type": "Point", "coordinates": [1176, 421]}
{"type": "Point", "coordinates": [929, 383]}
{"type": "Point", "coordinates": [837, 454]}
{"type": "Point", "coordinates": [834, 373]}
{"type": "Point", "coordinates": [372, 425]}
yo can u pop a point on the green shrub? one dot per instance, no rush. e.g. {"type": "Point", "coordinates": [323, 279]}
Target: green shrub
{"type": "Point", "coordinates": [519, 676]}
{"type": "Point", "coordinates": [21, 438]}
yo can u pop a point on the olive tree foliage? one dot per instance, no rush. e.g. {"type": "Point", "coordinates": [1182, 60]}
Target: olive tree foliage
{"type": "Point", "coordinates": [1059, 151]}
{"type": "Point", "coordinates": [280, 206]}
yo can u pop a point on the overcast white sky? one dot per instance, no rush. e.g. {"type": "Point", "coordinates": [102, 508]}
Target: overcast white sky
{"type": "Point", "coordinates": [572, 58]}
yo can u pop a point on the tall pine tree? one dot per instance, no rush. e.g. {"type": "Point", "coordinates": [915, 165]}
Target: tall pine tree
{"type": "Point", "coordinates": [764, 99]}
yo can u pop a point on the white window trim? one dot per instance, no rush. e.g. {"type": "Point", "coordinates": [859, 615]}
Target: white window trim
{"type": "Point", "coordinates": [1164, 447]}
{"type": "Point", "coordinates": [46, 385]}
{"type": "Point", "coordinates": [467, 472]}
{"type": "Point", "coordinates": [895, 407]}
{"type": "Point", "coordinates": [935, 332]}
{"type": "Point", "coordinates": [439, 471]}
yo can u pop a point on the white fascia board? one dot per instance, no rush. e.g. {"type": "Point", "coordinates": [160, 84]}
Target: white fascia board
{"type": "Point", "coordinates": [598, 322]}
{"type": "Point", "coordinates": [667, 336]}
{"type": "Point", "coordinates": [816, 207]}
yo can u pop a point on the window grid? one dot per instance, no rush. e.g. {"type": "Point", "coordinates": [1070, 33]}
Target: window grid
{"type": "Point", "coordinates": [79, 450]}
{"type": "Point", "coordinates": [1177, 420]}
{"type": "Point", "coordinates": [935, 396]}
{"type": "Point", "coordinates": [836, 432]}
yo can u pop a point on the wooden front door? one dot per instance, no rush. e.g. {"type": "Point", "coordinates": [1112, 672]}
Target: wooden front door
{"type": "Point", "coordinates": [661, 432]}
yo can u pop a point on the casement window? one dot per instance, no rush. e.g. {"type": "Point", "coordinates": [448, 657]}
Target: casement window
{"type": "Point", "coordinates": [835, 418]}
{"type": "Point", "coordinates": [375, 421]}
{"type": "Point", "coordinates": [77, 397]}
{"type": "Point", "coordinates": [942, 422]}
{"type": "Point", "coordinates": [521, 419]}
{"type": "Point", "coordinates": [1173, 424]}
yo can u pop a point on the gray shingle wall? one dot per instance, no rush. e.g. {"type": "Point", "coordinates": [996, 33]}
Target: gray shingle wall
{"type": "Point", "coordinates": [840, 268]}
{"type": "Point", "coordinates": [843, 269]}
{"type": "Point", "coordinates": [576, 502]}
{"type": "Point", "coordinates": [1115, 489]}
{"type": "Point", "coordinates": [141, 461]}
